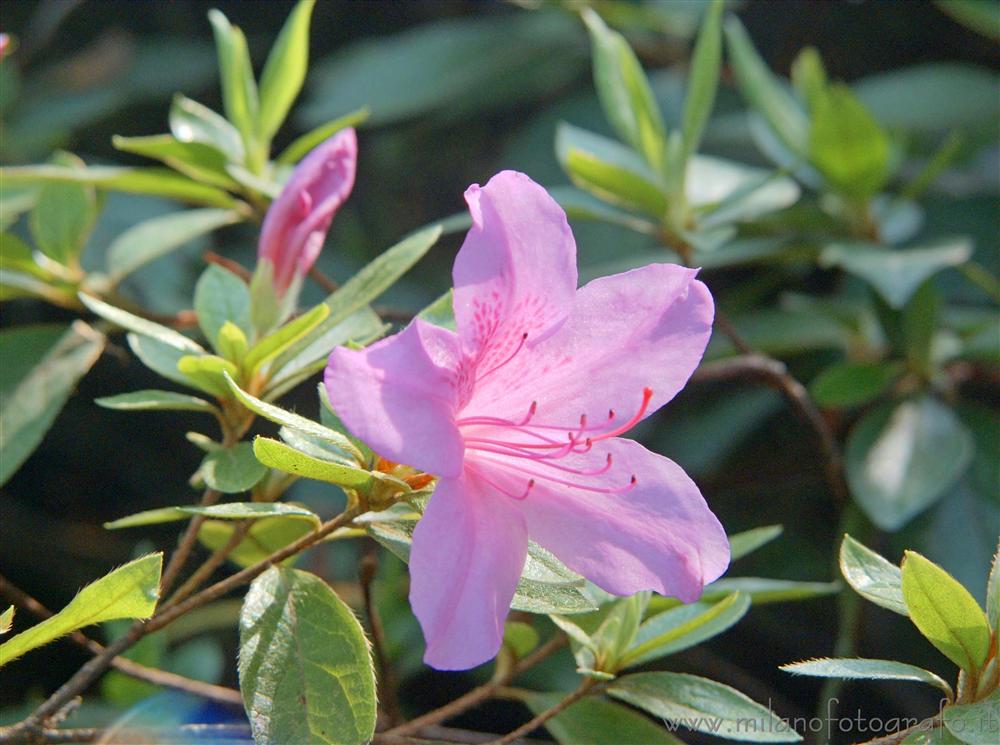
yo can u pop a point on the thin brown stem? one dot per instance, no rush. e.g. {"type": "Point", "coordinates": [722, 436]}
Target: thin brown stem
{"type": "Point", "coordinates": [213, 562]}
{"type": "Point", "coordinates": [327, 283]}
{"type": "Point", "coordinates": [538, 721]}
{"type": "Point", "coordinates": [235, 267]}
{"type": "Point", "coordinates": [186, 544]}
{"type": "Point", "coordinates": [481, 693]}
{"type": "Point", "coordinates": [387, 690]}
{"type": "Point", "coordinates": [773, 373]}
{"type": "Point", "coordinates": [94, 734]}
{"type": "Point", "coordinates": [128, 667]}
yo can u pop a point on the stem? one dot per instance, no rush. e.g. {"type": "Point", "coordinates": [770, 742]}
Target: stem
{"type": "Point", "coordinates": [548, 714]}
{"type": "Point", "coordinates": [202, 573]}
{"type": "Point", "coordinates": [897, 737]}
{"type": "Point", "coordinates": [325, 282]}
{"type": "Point", "coordinates": [481, 693]}
{"type": "Point", "coordinates": [978, 275]}
{"type": "Point", "coordinates": [186, 544]}
{"type": "Point", "coordinates": [387, 690]}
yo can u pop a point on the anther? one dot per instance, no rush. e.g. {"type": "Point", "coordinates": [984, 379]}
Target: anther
{"type": "Point", "coordinates": [524, 338]}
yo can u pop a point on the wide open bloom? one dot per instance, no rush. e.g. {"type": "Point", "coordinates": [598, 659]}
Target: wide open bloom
{"type": "Point", "coordinates": [297, 222]}
{"type": "Point", "coordinates": [519, 414]}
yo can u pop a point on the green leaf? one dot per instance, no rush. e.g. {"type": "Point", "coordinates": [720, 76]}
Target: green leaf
{"type": "Point", "coordinates": [945, 612]}
{"type": "Point", "coordinates": [617, 631]}
{"type": "Point", "coordinates": [7, 620]}
{"type": "Point", "coordinates": [64, 214]}
{"type": "Point", "coordinates": [303, 144]}
{"type": "Point", "coordinates": [703, 80]}
{"type": "Point", "coordinates": [294, 421]}
{"type": "Point", "coordinates": [582, 206]}
{"type": "Point", "coordinates": [221, 296]}
{"type": "Point", "coordinates": [279, 341]}
{"type": "Point", "coordinates": [232, 343]}
{"type": "Point", "coordinates": [441, 312]}
{"type": "Point", "coordinates": [702, 705]}
{"type": "Point", "coordinates": [975, 724]}
{"type": "Point", "coordinates": [742, 544]}
{"type": "Point", "coordinates": [160, 358]}
{"type": "Point", "coordinates": [192, 122]}
{"type": "Point", "coordinates": [765, 590]}
{"type": "Point", "coordinates": [131, 591]}
{"type": "Point", "coordinates": [239, 91]}
{"type": "Point", "coordinates": [158, 236]}
{"type": "Point", "coordinates": [227, 511]}
{"type": "Point", "coordinates": [938, 735]}
{"type": "Point", "coordinates": [624, 92]}
{"type": "Point", "coordinates": [265, 536]}
{"type": "Point", "coordinates": [139, 325]}
{"type": "Point", "coordinates": [609, 171]}
{"type": "Point", "coordinates": [763, 90]}
{"type": "Point", "coordinates": [207, 372]}
{"type": "Point", "coordinates": [160, 182]}
{"type": "Point", "coordinates": [862, 669]}
{"type": "Point", "coordinates": [900, 459]}
{"type": "Point", "coordinates": [848, 384]}
{"type": "Point", "coordinates": [520, 638]}
{"type": "Point", "coordinates": [809, 76]}
{"type": "Point", "coordinates": [152, 400]}
{"type": "Point", "coordinates": [278, 455]}
{"type": "Point", "coordinates": [305, 668]}
{"type": "Point", "coordinates": [201, 162]}
{"type": "Point", "coordinates": [680, 628]}
{"type": "Point", "coordinates": [981, 17]}
{"type": "Point", "coordinates": [871, 576]}
{"type": "Point", "coordinates": [726, 191]}
{"type": "Point", "coordinates": [596, 721]}
{"type": "Point", "coordinates": [40, 369]}
{"type": "Point", "coordinates": [847, 145]}
{"type": "Point", "coordinates": [232, 470]}
{"type": "Point", "coordinates": [285, 70]}
{"type": "Point", "coordinates": [896, 273]}
{"type": "Point", "coordinates": [993, 592]}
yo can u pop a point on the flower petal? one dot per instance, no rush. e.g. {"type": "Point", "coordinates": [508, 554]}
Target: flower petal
{"type": "Point", "coordinates": [467, 556]}
{"type": "Point", "coordinates": [296, 224]}
{"type": "Point", "coordinates": [516, 271]}
{"type": "Point", "coordinates": [658, 535]}
{"type": "Point", "coordinates": [646, 328]}
{"type": "Point", "coordinates": [399, 397]}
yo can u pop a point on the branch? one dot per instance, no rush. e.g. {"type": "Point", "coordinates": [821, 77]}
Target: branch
{"type": "Point", "coordinates": [773, 373]}
{"type": "Point", "coordinates": [548, 714]}
{"type": "Point", "coordinates": [202, 573]}
{"type": "Point", "coordinates": [481, 693]}
{"type": "Point", "coordinates": [186, 544]}
{"type": "Point", "coordinates": [366, 572]}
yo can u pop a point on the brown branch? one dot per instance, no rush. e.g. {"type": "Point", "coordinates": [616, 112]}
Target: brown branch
{"type": "Point", "coordinates": [327, 283]}
{"type": "Point", "coordinates": [481, 693]}
{"type": "Point", "coordinates": [128, 667]}
{"type": "Point", "coordinates": [548, 714]}
{"type": "Point", "coordinates": [186, 544]}
{"type": "Point", "coordinates": [94, 734]}
{"type": "Point", "coordinates": [773, 373]}
{"type": "Point", "coordinates": [234, 266]}
{"type": "Point", "coordinates": [213, 562]}
{"type": "Point", "coordinates": [387, 691]}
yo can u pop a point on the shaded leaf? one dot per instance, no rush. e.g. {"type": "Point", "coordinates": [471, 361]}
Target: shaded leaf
{"type": "Point", "coordinates": [871, 576]}
{"type": "Point", "coordinates": [976, 724]}
{"type": "Point", "coordinates": [232, 470]}
{"type": "Point", "coordinates": [152, 400]}
{"type": "Point", "coordinates": [285, 70]}
{"type": "Point", "coordinates": [848, 384]}
{"type": "Point", "coordinates": [862, 669]}
{"type": "Point", "coordinates": [596, 721]}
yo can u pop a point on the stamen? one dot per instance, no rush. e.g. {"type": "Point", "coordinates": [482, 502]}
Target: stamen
{"type": "Point", "coordinates": [495, 485]}
{"type": "Point", "coordinates": [647, 395]}
{"type": "Point", "coordinates": [524, 338]}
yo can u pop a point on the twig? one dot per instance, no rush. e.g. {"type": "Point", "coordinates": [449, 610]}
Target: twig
{"type": "Point", "coordinates": [773, 373]}
{"type": "Point", "coordinates": [481, 693]}
{"type": "Point", "coordinates": [186, 544]}
{"type": "Point", "coordinates": [387, 691]}
{"type": "Point", "coordinates": [548, 714]}
{"type": "Point", "coordinates": [93, 669]}
{"type": "Point", "coordinates": [128, 667]}
{"type": "Point", "coordinates": [234, 266]}
{"type": "Point", "coordinates": [93, 734]}
{"type": "Point", "coordinates": [897, 737]}
{"type": "Point", "coordinates": [202, 573]}
{"type": "Point", "coordinates": [327, 283]}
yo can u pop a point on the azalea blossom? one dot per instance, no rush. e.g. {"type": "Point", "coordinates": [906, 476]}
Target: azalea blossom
{"type": "Point", "coordinates": [298, 220]}
{"type": "Point", "coordinates": [519, 415]}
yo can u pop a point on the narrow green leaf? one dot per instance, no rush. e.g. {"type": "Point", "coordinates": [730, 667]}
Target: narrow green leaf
{"type": "Point", "coordinates": [574, 632]}
{"type": "Point", "coordinates": [199, 161]}
{"type": "Point", "coordinates": [151, 239]}
{"type": "Point", "coordinates": [285, 70]}
{"type": "Point", "coordinates": [609, 171]}
{"type": "Point", "coordinates": [579, 205]}
{"type": "Point", "coordinates": [624, 92]}
{"type": "Point", "coordinates": [152, 400]}
{"type": "Point", "coordinates": [131, 591]}
{"type": "Point", "coordinates": [934, 735]}
{"type": "Point", "coordinates": [975, 724]}
{"type": "Point", "coordinates": [993, 592]}
{"type": "Point", "coordinates": [227, 511]}
{"type": "Point", "coordinates": [40, 370]}
{"type": "Point", "coordinates": [617, 631]}
{"type": "Point", "coordinates": [763, 90]}
{"type": "Point", "coordinates": [161, 358]}
{"type": "Point", "coordinates": [896, 273]}
{"type": "Point", "coordinates": [763, 590]}
{"type": "Point", "coordinates": [983, 18]}
{"type": "Point", "coordinates": [7, 620]}
{"type": "Point", "coordinates": [64, 214]}
{"type": "Point", "coordinates": [192, 122]}
{"type": "Point", "coordinates": [597, 721]}
{"type": "Point", "coordinates": [232, 343]}
{"type": "Point", "coordinates": [277, 342]}
{"type": "Point", "coordinates": [862, 669]}
{"type": "Point", "coordinates": [278, 455]}
{"type": "Point", "coordinates": [809, 76]}
{"type": "Point", "coordinates": [239, 91]}
{"type": "Point", "coordinates": [221, 296]}
{"type": "Point", "coordinates": [305, 668]}
{"type": "Point", "coordinates": [945, 612]}
{"type": "Point", "coordinates": [441, 312]}
{"type": "Point", "coordinates": [265, 536]}
{"type": "Point", "coordinates": [139, 325]}
{"type": "Point", "coordinates": [680, 628]}
{"type": "Point", "coordinates": [303, 144]}
{"type": "Point", "coordinates": [703, 80]}
{"type": "Point", "coordinates": [871, 576]}
{"type": "Point", "coordinates": [207, 372]}
{"type": "Point", "coordinates": [847, 384]}
{"type": "Point", "coordinates": [742, 544]}
{"type": "Point", "coordinates": [702, 705]}
{"type": "Point", "coordinates": [520, 638]}
{"type": "Point", "coordinates": [155, 181]}
{"type": "Point", "coordinates": [901, 459]}
{"type": "Point", "coordinates": [232, 470]}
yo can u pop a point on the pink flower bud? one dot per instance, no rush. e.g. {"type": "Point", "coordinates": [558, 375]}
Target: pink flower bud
{"type": "Point", "coordinates": [296, 224]}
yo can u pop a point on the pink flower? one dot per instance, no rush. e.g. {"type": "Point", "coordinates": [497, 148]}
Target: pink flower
{"type": "Point", "coordinates": [298, 220]}
{"type": "Point", "coordinates": [519, 414]}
